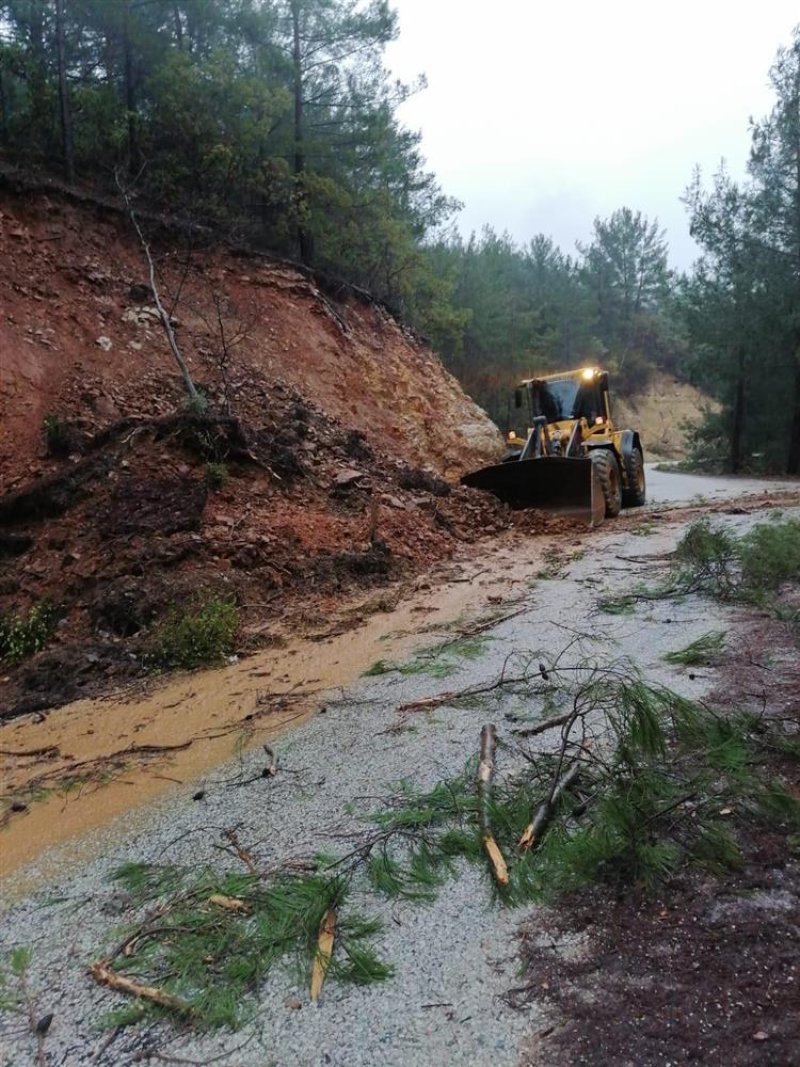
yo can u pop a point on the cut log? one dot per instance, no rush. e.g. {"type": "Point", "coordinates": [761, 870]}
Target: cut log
{"type": "Point", "coordinates": [327, 932]}
{"type": "Point", "coordinates": [484, 780]}
{"type": "Point", "coordinates": [103, 974]}
{"type": "Point", "coordinates": [219, 900]}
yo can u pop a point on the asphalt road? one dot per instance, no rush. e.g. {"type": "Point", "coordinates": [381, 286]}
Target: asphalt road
{"type": "Point", "coordinates": [677, 487]}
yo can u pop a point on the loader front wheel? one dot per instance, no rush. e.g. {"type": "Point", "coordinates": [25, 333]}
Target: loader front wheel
{"type": "Point", "coordinates": [605, 463]}
{"type": "Point", "coordinates": [635, 495]}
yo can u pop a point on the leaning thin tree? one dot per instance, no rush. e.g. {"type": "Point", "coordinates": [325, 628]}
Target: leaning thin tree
{"type": "Point", "coordinates": [194, 396]}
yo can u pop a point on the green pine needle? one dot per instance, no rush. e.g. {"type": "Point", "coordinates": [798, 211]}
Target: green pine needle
{"type": "Point", "coordinates": [706, 651]}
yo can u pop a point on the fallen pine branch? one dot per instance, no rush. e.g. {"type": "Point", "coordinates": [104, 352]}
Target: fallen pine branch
{"type": "Point", "coordinates": [453, 695]}
{"type": "Point", "coordinates": [489, 624]}
{"type": "Point", "coordinates": [84, 769]}
{"type": "Point", "coordinates": [243, 854]}
{"type": "Point", "coordinates": [150, 750]}
{"type": "Point", "coordinates": [164, 317]}
{"type": "Point", "coordinates": [271, 766]}
{"type": "Point", "coordinates": [219, 900]}
{"type": "Point", "coordinates": [542, 727]}
{"type": "Point", "coordinates": [484, 779]}
{"type": "Point", "coordinates": [103, 974]}
{"type": "Point", "coordinates": [535, 829]}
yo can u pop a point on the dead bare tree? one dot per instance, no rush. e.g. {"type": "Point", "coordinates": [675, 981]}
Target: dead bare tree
{"type": "Point", "coordinates": [163, 314]}
{"type": "Point", "coordinates": [229, 334]}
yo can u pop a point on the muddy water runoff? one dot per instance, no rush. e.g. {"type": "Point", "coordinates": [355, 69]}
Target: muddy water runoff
{"type": "Point", "coordinates": [215, 714]}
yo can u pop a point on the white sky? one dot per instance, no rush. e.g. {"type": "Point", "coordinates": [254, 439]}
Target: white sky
{"type": "Point", "coordinates": [542, 114]}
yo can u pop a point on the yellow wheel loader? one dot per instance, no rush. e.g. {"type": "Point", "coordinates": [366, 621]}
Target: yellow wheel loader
{"type": "Point", "coordinates": [573, 459]}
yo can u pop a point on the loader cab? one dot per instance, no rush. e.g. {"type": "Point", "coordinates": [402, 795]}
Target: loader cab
{"type": "Point", "coordinates": [561, 398]}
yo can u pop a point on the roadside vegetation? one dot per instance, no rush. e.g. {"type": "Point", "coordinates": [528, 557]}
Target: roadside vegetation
{"type": "Point", "coordinates": [440, 661]}
{"type": "Point", "coordinates": [278, 119]}
{"type": "Point", "coordinates": [23, 634]}
{"type": "Point", "coordinates": [715, 562]}
{"type": "Point", "coordinates": [706, 651]}
{"type": "Point", "coordinates": [199, 634]}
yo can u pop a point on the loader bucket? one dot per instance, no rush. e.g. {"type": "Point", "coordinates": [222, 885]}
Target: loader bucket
{"type": "Point", "coordinates": [569, 486]}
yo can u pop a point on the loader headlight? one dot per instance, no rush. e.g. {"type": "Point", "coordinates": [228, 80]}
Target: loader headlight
{"type": "Point", "coordinates": [587, 374]}
{"type": "Point", "coordinates": [511, 435]}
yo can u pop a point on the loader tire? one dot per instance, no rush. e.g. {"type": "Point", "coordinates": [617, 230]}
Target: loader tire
{"type": "Point", "coordinates": [610, 480]}
{"type": "Point", "coordinates": [636, 493]}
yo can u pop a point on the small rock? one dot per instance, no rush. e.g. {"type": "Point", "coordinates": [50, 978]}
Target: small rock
{"type": "Point", "coordinates": [348, 477]}
{"type": "Point", "coordinates": [761, 1035]}
{"type": "Point", "coordinates": [140, 294]}
{"type": "Point", "coordinates": [105, 343]}
{"type": "Point", "coordinates": [393, 502]}
{"type": "Point", "coordinates": [294, 1003]}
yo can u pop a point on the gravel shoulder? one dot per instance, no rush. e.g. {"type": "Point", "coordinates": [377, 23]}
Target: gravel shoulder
{"type": "Point", "coordinates": [454, 958]}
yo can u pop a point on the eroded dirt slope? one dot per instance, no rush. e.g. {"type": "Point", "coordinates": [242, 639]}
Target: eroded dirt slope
{"type": "Point", "coordinates": [79, 338]}
{"type": "Point", "coordinates": [663, 414]}
{"type": "Point", "coordinates": [323, 466]}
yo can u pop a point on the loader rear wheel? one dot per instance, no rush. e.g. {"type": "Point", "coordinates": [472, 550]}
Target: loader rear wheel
{"type": "Point", "coordinates": [605, 463]}
{"type": "Point", "coordinates": [636, 494]}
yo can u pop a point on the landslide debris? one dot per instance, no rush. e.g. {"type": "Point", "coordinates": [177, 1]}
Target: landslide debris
{"type": "Point", "coordinates": [305, 510]}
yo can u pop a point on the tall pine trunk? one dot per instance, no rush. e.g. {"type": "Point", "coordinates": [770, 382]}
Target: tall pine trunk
{"type": "Point", "coordinates": [130, 91]}
{"type": "Point", "coordinates": [303, 239]}
{"type": "Point", "coordinates": [793, 457]}
{"type": "Point", "coordinates": [40, 113]}
{"type": "Point", "coordinates": [3, 112]}
{"type": "Point", "coordinates": [737, 428]}
{"type": "Point", "coordinates": [67, 148]}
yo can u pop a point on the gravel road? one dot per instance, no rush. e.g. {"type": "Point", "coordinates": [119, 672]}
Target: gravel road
{"type": "Point", "coordinates": [454, 957]}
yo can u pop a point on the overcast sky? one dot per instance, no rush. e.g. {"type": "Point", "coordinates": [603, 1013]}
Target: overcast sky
{"type": "Point", "coordinates": [542, 115]}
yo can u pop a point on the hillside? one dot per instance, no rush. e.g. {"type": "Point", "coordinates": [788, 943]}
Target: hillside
{"type": "Point", "coordinates": [661, 414]}
{"type": "Point", "coordinates": [327, 475]}
{"type": "Point", "coordinates": [79, 339]}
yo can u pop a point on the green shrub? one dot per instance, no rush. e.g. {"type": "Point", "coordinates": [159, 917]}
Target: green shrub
{"type": "Point", "coordinates": [216, 475]}
{"type": "Point", "coordinates": [708, 443]}
{"type": "Point", "coordinates": [60, 437]}
{"type": "Point", "coordinates": [23, 635]}
{"type": "Point", "coordinates": [770, 556]}
{"type": "Point", "coordinates": [195, 635]}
